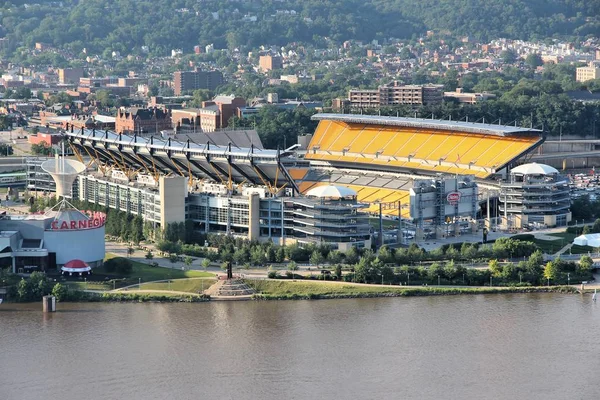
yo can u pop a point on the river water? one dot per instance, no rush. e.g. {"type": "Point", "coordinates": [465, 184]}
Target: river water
{"type": "Point", "coordinates": [537, 346]}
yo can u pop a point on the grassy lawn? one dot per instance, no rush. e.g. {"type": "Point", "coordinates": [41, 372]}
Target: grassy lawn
{"type": "Point", "coordinates": [180, 285]}
{"type": "Point", "coordinates": [282, 288]}
{"type": "Point", "coordinates": [89, 285]}
{"type": "Point", "coordinates": [562, 239]}
{"type": "Point", "coordinates": [313, 290]}
{"type": "Point", "coordinates": [149, 273]}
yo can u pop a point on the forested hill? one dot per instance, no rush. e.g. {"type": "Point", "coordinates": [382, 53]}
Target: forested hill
{"type": "Point", "coordinates": [123, 25]}
{"type": "Point", "coordinates": [514, 19]}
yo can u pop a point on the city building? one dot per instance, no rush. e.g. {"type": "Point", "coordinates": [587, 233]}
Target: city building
{"type": "Point", "coordinates": [535, 194]}
{"type": "Point", "coordinates": [213, 115]}
{"type": "Point", "coordinates": [395, 94]}
{"type": "Point", "coordinates": [592, 71]}
{"type": "Point", "coordinates": [269, 63]}
{"type": "Point", "coordinates": [184, 81]}
{"type": "Point", "coordinates": [468, 98]}
{"type": "Point", "coordinates": [38, 242]}
{"type": "Point", "coordinates": [70, 75]}
{"type": "Point", "coordinates": [328, 214]}
{"type": "Point", "coordinates": [142, 120]}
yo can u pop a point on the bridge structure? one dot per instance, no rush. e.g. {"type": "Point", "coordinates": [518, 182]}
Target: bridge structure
{"type": "Point", "coordinates": [155, 156]}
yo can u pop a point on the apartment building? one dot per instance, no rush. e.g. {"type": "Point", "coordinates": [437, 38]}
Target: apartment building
{"type": "Point", "coordinates": [184, 81]}
{"type": "Point", "coordinates": [395, 94]}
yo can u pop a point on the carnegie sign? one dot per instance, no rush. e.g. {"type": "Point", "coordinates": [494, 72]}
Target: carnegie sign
{"type": "Point", "coordinates": [96, 220]}
{"type": "Point", "coordinates": [453, 198]}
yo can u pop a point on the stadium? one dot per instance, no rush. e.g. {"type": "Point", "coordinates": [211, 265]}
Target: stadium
{"type": "Point", "coordinates": [433, 177]}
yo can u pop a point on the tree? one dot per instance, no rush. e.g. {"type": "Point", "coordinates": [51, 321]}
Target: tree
{"type": "Point", "coordinates": [60, 291]}
{"type": "Point", "coordinates": [551, 271]}
{"type": "Point", "coordinates": [334, 257]}
{"type": "Point", "coordinates": [257, 256]}
{"type": "Point", "coordinates": [585, 230]}
{"type": "Point", "coordinates": [205, 263]}
{"type": "Point", "coordinates": [585, 265]}
{"type": "Point", "coordinates": [292, 266]}
{"type": "Point", "coordinates": [149, 255]}
{"type": "Point", "coordinates": [534, 60]}
{"type": "Point", "coordinates": [338, 271]}
{"type": "Point", "coordinates": [508, 56]}
{"type": "Point", "coordinates": [316, 258]}
{"type": "Point", "coordinates": [351, 255]}
{"type": "Point", "coordinates": [41, 149]}
{"type": "Point", "coordinates": [434, 271]}
{"type": "Point", "coordinates": [187, 260]}
{"type": "Point", "coordinates": [173, 258]}
{"type": "Point", "coordinates": [130, 251]}
{"type": "Point", "coordinates": [280, 255]}
{"type": "Point", "coordinates": [495, 268]}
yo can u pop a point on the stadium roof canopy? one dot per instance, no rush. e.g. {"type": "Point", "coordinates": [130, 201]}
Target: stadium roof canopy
{"type": "Point", "coordinates": [421, 123]}
{"type": "Point", "coordinates": [157, 156]}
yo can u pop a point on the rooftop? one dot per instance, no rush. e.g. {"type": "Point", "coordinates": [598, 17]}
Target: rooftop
{"type": "Point", "coordinates": [461, 126]}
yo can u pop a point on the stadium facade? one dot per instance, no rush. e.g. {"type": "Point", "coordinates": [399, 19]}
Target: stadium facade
{"type": "Point", "coordinates": [425, 174]}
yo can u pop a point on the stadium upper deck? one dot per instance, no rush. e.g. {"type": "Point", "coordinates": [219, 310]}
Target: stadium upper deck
{"type": "Point", "coordinates": [156, 156]}
{"type": "Point", "coordinates": [418, 145]}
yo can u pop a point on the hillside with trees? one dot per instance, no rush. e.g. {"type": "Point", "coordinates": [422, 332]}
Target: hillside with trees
{"type": "Point", "coordinates": [103, 26]}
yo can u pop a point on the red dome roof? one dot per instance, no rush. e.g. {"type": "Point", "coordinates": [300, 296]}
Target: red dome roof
{"type": "Point", "coordinates": [76, 264]}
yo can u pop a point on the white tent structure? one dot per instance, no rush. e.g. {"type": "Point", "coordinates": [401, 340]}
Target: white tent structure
{"type": "Point", "coordinates": [590, 239]}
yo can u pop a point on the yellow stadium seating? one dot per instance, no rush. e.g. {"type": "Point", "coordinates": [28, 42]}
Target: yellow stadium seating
{"type": "Point", "coordinates": [366, 194]}
{"type": "Point", "coordinates": [298, 173]}
{"type": "Point", "coordinates": [460, 153]}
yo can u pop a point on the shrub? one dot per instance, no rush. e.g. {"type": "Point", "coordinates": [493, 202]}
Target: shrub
{"type": "Point", "coordinates": [120, 265]}
{"type": "Point", "coordinates": [272, 275]}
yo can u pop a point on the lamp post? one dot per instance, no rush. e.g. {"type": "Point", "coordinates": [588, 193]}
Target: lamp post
{"type": "Point", "coordinates": [520, 277]}
{"type": "Point", "coordinates": [491, 281]}
{"type": "Point", "coordinates": [568, 278]}
{"type": "Point", "coordinates": [438, 280]}
{"type": "Point", "coordinates": [139, 283]}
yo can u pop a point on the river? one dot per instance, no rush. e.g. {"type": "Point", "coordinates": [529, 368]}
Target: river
{"type": "Point", "coordinates": [534, 346]}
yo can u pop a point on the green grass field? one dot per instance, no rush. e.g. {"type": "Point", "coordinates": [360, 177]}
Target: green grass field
{"type": "Point", "coordinates": [562, 239]}
{"type": "Point", "coordinates": [286, 290]}
{"type": "Point", "coordinates": [89, 285]}
{"type": "Point", "coordinates": [149, 273]}
{"type": "Point", "coordinates": [180, 285]}
{"type": "Point", "coordinates": [279, 288]}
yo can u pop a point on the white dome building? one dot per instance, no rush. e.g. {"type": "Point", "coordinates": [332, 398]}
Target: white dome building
{"type": "Point", "coordinates": [535, 194]}
{"type": "Point", "coordinates": [332, 192]}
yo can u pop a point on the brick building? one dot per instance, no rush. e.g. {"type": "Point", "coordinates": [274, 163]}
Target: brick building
{"type": "Point", "coordinates": [395, 94]}
{"type": "Point", "coordinates": [213, 115]}
{"type": "Point", "coordinates": [70, 75]}
{"type": "Point", "coordinates": [184, 81]}
{"type": "Point", "coordinates": [269, 62]}
{"type": "Point", "coordinates": [142, 120]}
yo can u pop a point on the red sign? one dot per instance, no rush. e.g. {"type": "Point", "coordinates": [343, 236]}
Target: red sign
{"type": "Point", "coordinates": [97, 219]}
{"type": "Point", "coordinates": [453, 198]}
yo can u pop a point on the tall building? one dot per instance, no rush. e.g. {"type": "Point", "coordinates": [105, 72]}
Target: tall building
{"type": "Point", "coordinates": [70, 75]}
{"type": "Point", "coordinates": [588, 73]}
{"type": "Point", "coordinates": [269, 62]}
{"type": "Point", "coordinates": [142, 120]}
{"type": "Point", "coordinates": [395, 94]}
{"type": "Point", "coordinates": [184, 81]}
{"type": "Point", "coordinates": [213, 115]}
